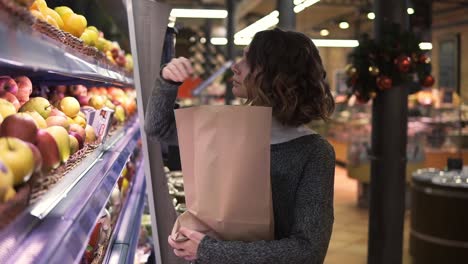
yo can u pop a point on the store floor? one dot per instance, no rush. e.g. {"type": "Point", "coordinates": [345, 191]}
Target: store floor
{"type": "Point", "coordinates": [349, 239]}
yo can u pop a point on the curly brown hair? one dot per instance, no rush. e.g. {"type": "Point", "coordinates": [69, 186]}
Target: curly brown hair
{"type": "Point", "coordinates": [286, 73]}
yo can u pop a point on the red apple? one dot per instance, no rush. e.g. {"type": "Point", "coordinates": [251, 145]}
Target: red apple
{"type": "Point", "coordinates": [8, 84]}
{"type": "Point", "coordinates": [58, 121]}
{"type": "Point", "coordinates": [79, 138]}
{"type": "Point", "coordinates": [23, 82]}
{"type": "Point", "coordinates": [24, 85]}
{"type": "Point", "coordinates": [10, 98]}
{"type": "Point", "coordinates": [19, 126]}
{"type": "Point", "coordinates": [37, 157]}
{"type": "Point", "coordinates": [23, 96]}
{"type": "Point", "coordinates": [49, 150]}
{"type": "Point", "coordinates": [78, 129]}
{"type": "Point", "coordinates": [83, 99]}
{"type": "Point", "coordinates": [56, 112]}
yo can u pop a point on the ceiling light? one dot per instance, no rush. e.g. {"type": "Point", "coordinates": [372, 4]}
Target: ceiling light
{"type": "Point", "coordinates": [263, 23]}
{"type": "Point", "coordinates": [371, 15]}
{"type": "Point", "coordinates": [301, 6]}
{"type": "Point", "coordinates": [425, 45]}
{"type": "Point", "coordinates": [242, 41]}
{"type": "Point", "coordinates": [344, 25]}
{"type": "Point", "coordinates": [219, 41]}
{"type": "Point", "coordinates": [199, 13]}
{"type": "Point", "coordinates": [324, 32]}
{"type": "Point", "coordinates": [336, 43]}
{"type": "Point", "coordinates": [410, 11]}
{"type": "Point", "coordinates": [202, 40]}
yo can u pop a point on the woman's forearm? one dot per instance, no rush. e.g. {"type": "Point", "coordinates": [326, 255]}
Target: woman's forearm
{"type": "Point", "coordinates": [159, 117]}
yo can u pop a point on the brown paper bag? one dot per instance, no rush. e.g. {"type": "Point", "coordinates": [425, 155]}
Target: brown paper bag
{"type": "Point", "coordinates": [225, 156]}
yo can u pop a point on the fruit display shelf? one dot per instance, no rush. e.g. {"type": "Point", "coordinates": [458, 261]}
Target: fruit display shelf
{"type": "Point", "coordinates": [49, 62]}
{"type": "Point", "coordinates": [57, 227]}
{"type": "Point", "coordinates": [124, 240]}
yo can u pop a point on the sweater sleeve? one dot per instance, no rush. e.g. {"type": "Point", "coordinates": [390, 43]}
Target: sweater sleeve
{"type": "Point", "coordinates": [159, 118]}
{"type": "Point", "coordinates": [311, 231]}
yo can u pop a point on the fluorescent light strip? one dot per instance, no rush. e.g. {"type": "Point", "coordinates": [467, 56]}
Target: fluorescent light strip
{"type": "Point", "coordinates": [219, 41]}
{"type": "Point", "coordinates": [297, 2]}
{"type": "Point", "coordinates": [425, 46]}
{"type": "Point", "coordinates": [263, 23]}
{"type": "Point", "coordinates": [337, 43]}
{"type": "Point", "coordinates": [298, 8]}
{"type": "Point", "coordinates": [199, 13]}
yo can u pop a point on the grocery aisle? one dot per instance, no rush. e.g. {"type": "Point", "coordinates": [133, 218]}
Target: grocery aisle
{"type": "Point", "coordinates": [349, 239]}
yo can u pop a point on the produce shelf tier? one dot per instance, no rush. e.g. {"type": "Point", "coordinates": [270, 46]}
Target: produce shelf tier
{"type": "Point", "coordinates": [49, 62]}
{"type": "Point", "coordinates": [56, 229]}
{"type": "Point", "coordinates": [124, 240]}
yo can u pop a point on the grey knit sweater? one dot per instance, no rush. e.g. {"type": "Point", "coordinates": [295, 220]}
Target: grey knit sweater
{"type": "Point", "coordinates": [302, 177]}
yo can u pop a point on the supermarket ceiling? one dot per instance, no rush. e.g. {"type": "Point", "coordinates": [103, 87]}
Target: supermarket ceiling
{"type": "Point", "coordinates": [322, 19]}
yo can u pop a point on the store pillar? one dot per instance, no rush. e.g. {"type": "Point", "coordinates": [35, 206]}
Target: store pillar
{"type": "Point", "coordinates": [389, 138]}
{"type": "Point", "coordinates": [287, 17]}
{"type": "Point", "coordinates": [231, 8]}
{"type": "Point", "coordinates": [147, 25]}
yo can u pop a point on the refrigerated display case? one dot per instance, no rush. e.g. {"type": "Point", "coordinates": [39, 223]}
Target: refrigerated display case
{"type": "Point", "coordinates": [56, 222]}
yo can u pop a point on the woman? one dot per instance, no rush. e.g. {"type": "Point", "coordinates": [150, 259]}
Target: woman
{"type": "Point", "coordinates": [282, 70]}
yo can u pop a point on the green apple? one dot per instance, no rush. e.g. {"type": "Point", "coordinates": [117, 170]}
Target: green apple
{"type": "Point", "coordinates": [6, 108]}
{"type": "Point", "coordinates": [119, 114]}
{"type": "Point", "coordinates": [60, 135]}
{"type": "Point", "coordinates": [101, 43]}
{"type": "Point", "coordinates": [19, 157]}
{"type": "Point", "coordinates": [70, 106]}
{"type": "Point", "coordinates": [97, 102]}
{"type": "Point", "coordinates": [109, 104]}
{"type": "Point", "coordinates": [37, 104]}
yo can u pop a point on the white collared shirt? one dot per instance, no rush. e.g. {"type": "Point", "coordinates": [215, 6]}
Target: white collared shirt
{"type": "Point", "coordinates": [281, 133]}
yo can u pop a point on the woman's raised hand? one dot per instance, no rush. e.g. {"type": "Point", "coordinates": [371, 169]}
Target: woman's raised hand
{"type": "Point", "coordinates": [177, 70]}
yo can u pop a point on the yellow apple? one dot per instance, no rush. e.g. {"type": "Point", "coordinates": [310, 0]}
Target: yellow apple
{"type": "Point", "coordinates": [63, 10]}
{"type": "Point", "coordinates": [74, 24]}
{"type": "Point", "coordinates": [18, 156]}
{"type": "Point", "coordinates": [90, 134]}
{"type": "Point", "coordinates": [60, 135]}
{"type": "Point", "coordinates": [74, 146]}
{"type": "Point", "coordinates": [38, 5]}
{"type": "Point", "coordinates": [70, 106]}
{"type": "Point", "coordinates": [38, 15]}
{"type": "Point", "coordinates": [52, 13]}
{"type": "Point", "coordinates": [6, 108]}
{"type": "Point", "coordinates": [38, 119]}
{"type": "Point", "coordinates": [97, 102]}
{"type": "Point", "coordinates": [80, 121]}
